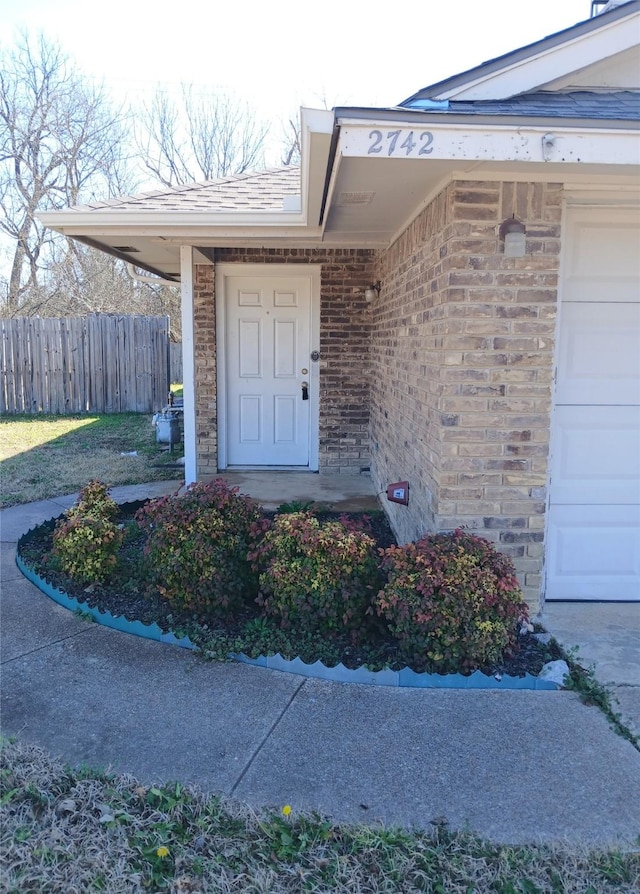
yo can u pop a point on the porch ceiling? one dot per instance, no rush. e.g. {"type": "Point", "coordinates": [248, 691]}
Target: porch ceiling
{"type": "Point", "coordinates": [373, 199]}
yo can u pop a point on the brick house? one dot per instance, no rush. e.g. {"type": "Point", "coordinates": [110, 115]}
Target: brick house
{"type": "Point", "coordinates": [380, 307]}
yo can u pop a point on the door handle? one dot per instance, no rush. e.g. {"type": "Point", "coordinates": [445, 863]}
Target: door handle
{"type": "Point", "coordinates": [305, 391]}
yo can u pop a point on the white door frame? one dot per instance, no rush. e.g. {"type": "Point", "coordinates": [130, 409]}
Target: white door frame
{"type": "Point", "coordinates": [313, 271]}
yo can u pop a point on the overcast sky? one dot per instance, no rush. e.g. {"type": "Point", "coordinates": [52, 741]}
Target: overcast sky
{"type": "Point", "coordinates": [282, 55]}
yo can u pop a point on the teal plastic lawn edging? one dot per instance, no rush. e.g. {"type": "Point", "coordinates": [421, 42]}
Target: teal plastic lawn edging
{"type": "Point", "coordinates": [405, 678]}
{"type": "Point", "coordinates": [124, 625]}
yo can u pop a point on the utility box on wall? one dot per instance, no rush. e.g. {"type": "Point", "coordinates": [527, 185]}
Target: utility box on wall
{"type": "Point", "coordinates": [398, 492]}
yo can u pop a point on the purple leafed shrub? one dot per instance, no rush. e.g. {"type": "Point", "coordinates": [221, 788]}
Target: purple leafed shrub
{"type": "Point", "coordinates": [451, 601]}
{"type": "Point", "coordinates": [197, 545]}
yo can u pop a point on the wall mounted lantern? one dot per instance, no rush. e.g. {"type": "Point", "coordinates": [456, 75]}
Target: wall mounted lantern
{"type": "Point", "coordinates": [513, 234]}
{"type": "Point", "coordinates": [372, 291]}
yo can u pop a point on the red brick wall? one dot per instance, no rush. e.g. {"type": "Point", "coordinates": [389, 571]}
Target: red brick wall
{"type": "Point", "coordinates": [204, 312]}
{"type": "Point", "coordinates": [345, 332]}
{"type": "Point", "coordinates": [462, 367]}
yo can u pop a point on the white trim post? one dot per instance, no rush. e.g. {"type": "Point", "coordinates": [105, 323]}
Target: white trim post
{"type": "Point", "coordinates": [188, 364]}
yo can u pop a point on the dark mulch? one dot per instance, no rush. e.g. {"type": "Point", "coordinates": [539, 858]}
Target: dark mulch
{"type": "Point", "coordinates": [129, 594]}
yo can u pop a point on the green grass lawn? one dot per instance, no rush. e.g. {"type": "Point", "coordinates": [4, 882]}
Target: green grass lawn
{"type": "Point", "coordinates": [62, 830]}
{"type": "Point", "coordinates": [47, 456]}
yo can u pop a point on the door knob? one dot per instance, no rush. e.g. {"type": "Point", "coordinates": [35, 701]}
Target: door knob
{"type": "Point", "coordinates": [305, 391]}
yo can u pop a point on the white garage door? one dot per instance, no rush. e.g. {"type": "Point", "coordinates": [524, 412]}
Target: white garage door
{"type": "Point", "coordinates": [593, 528]}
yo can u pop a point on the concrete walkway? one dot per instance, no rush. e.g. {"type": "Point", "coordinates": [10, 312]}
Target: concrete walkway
{"type": "Point", "coordinates": [604, 636]}
{"type": "Point", "coordinates": [512, 766]}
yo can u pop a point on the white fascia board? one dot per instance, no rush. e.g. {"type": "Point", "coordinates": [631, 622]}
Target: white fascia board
{"type": "Point", "coordinates": [317, 127]}
{"type": "Point", "coordinates": [126, 220]}
{"type": "Point", "coordinates": [534, 72]}
{"type": "Point", "coordinates": [333, 179]}
{"type": "Point", "coordinates": [318, 121]}
{"type": "Point", "coordinates": [552, 144]}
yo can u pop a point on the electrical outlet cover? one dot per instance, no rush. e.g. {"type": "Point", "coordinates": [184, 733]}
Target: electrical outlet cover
{"type": "Point", "coordinates": [398, 492]}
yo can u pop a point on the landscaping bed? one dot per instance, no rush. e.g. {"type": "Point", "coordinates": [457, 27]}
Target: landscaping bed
{"type": "Point", "coordinates": [133, 591]}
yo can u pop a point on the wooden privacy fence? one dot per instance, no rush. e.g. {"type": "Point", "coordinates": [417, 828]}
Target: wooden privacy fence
{"type": "Point", "coordinates": [175, 361]}
{"type": "Point", "coordinates": [101, 363]}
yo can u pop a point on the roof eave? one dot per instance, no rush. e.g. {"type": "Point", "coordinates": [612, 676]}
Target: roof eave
{"type": "Point", "coordinates": [317, 130]}
{"type": "Point", "coordinates": [129, 259]}
{"type": "Point", "coordinates": [364, 115]}
{"type": "Point", "coordinates": [317, 126]}
{"type": "Point", "coordinates": [73, 223]}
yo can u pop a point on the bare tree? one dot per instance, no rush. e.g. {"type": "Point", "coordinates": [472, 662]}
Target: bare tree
{"type": "Point", "coordinates": [203, 136]}
{"type": "Point", "coordinates": [291, 142]}
{"type": "Point", "coordinates": [84, 280]}
{"type": "Point", "coordinates": [60, 143]}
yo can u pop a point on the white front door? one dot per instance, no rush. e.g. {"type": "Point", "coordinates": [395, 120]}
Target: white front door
{"type": "Point", "coordinates": [270, 393]}
{"type": "Point", "coordinates": [593, 525]}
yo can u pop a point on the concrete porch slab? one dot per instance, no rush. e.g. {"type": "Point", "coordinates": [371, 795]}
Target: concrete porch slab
{"type": "Point", "coordinates": [341, 493]}
{"type": "Point", "coordinates": [626, 703]}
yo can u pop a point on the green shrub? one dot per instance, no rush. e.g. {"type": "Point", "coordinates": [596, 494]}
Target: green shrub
{"type": "Point", "coordinates": [451, 601]}
{"type": "Point", "coordinates": [94, 501]}
{"type": "Point", "coordinates": [196, 548]}
{"type": "Point", "coordinates": [296, 506]}
{"type": "Point", "coordinates": [86, 540]}
{"type": "Point", "coordinates": [316, 577]}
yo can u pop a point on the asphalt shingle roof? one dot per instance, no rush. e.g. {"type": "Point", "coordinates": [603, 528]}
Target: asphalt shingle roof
{"type": "Point", "coordinates": [262, 191]}
{"type": "Point", "coordinates": [622, 105]}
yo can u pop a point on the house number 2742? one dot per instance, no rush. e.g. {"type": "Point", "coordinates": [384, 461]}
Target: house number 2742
{"type": "Point", "coordinates": [400, 142]}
